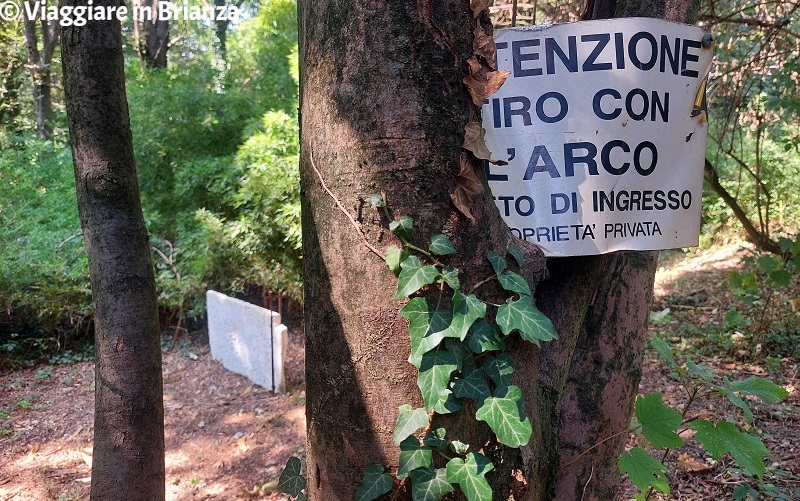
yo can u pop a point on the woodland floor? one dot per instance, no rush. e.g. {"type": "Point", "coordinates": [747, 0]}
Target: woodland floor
{"type": "Point", "coordinates": [226, 436]}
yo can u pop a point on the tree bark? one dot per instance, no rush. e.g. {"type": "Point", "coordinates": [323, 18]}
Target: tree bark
{"type": "Point", "coordinates": [383, 109]}
{"type": "Point", "coordinates": [153, 49]}
{"type": "Point", "coordinates": [128, 458]}
{"type": "Point", "coordinates": [39, 64]}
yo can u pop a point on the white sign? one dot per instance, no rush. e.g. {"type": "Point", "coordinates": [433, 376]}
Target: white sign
{"type": "Point", "coordinates": [602, 128]}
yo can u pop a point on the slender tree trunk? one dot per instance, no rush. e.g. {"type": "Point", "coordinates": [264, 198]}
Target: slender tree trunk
{"type": "Point", "coordinates": [156, 37]}
{"type": "Point", "coordinates": [383, 109]}
{"type": "Point", "coordinates": [129, 417]}
{"type": "Point", "coordinates": [40, 71]}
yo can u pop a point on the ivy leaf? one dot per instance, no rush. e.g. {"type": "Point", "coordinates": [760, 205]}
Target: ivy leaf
{"type": "Point", "coordinates": [291, 482]}
{"type": "Point", "coordinates": [499, 369]}
{"type": "Point", "coordinates": [513, 282]}
{"type": "Point", "coordinates": [643, 470]}
{"type": "Point", "coordinates": [485, 337]}
{"type": "Point", "coordinates": [466, 310]}
{"type": "Point", "coordinates": [435, 439]}
{"type": "Point", "coordinates": [504, 416]}
{"type": "Point", "coordinates": [413, 277]}
{"type": "Point", "coordinates": [473, 385]}
{"type": "Point", "coordinates": [409, 421]}
{"type": "Point", "coordinates": [441, 245]}
{"type": "Point", "coordinates": [522, 316]}
{"type": "Point", "coordinates": [747, 450]}
{"type": "Point", "coordinates": [376, 200]}
{"type": "Point", "coordinates": [460, 351]}
{"type": "Point", "coordinates": [658, 421]}
{"type": "Point", "coordinates": [429, 485]}
{"type": "Point", "coordinates": [375, 484]}
{"type": "Point", "coordinates": [450, 275]}
{"type": "Point", "coordinates": [470, 475]}
{"type": "Point", "coordinates": [434, 376]}
{"type": "Point", "coordinates": [394, 255]}
{"type": "Point", "coordinates": [413, 456]}
{"type": "Point", "coordinates": [448, 404]}
{"type": "Point", "coordinates": [663, 350]}
{"type": "Point", "coordinates": [402, 227]}
{"type": "Point", "coordinates": [426, 328]}
{"type": "Point", "coordinates": [459, 447]}
{"type": "Point", "coordinates": [498, 262]}
{"type": "Point", "coordinates": [759, 387]}
{"type": "Point", "coordinates": [517, 255]}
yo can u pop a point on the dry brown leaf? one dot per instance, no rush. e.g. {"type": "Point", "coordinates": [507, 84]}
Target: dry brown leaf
{"type": "Point", "coordinates": [475, 142]}
{"type": "Point", "coordinates": [482, 83]}
{"type": "Point", "coordinates": [461, 201]}
{"type": "Point", "coordinates": [468, 179]}
{"type": "Point", "coordinates": [256, 491]}
{"type": "Point", "coordinates": [243, 447]}
{"type": "Point", "coordinates": [478, 6]}
{"type": "Point", "coordinates": [483, 45]}
{"type": "Point", "coordinates": [687, 462]}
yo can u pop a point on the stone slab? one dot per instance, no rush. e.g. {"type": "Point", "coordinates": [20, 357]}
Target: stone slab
{"type": "Point", "coordinates": [247, 339]}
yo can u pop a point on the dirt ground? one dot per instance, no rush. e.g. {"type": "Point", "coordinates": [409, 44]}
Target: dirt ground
{"type": "Point", "coordinates": [225, 437]}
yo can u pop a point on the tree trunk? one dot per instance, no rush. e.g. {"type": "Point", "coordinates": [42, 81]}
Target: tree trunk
{"type": "Point", "coordinates": [383, 109]}
{"type": "Point", "coordinates": [156, 37]}
{"type": "Point", "coordinates": [40, 71]}
{"type": "Point", "coordinates": [128, 458]}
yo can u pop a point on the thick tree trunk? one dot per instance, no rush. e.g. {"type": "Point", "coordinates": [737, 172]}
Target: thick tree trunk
{"type": "Point", "coordinates": [129, 417]}
{"type": "Point", "coordinates": [383, 109]}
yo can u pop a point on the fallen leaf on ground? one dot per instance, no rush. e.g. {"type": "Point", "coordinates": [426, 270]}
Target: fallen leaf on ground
{"type": "Point", "coordinates": [687, 462]}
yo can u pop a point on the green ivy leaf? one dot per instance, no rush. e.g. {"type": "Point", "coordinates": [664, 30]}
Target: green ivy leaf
{"type": "Point", "coordinates": [460, 351]}
{"type": "Point", "coordinates": [394, 255]}
{"type": "Point", "coordinates": [663, 350]}
{"type": "Point", "coordinates": [747, 450]}
{"type": "Point", "coordinates": [517, 255]}
{"type": "Point", "coordinates": [409, 421]}
{"type": "Point", "coordinates": [522, 316]}
{"type": "Point", "coordinates": [450, 275]}
{"type": "Point", "coordinates": [504, 416]}
{"type": "Point", "coordinates": [441, 245]}
{"type": "Point", "coordinates": [473, 385]}
{"type": "Point", "coordinates": [498, 262]}
{"type": "Point", "coordinates": [470, 475]}
{"type": "Point", "coordinates": [466, 310]}
{"type": "Point", "coordinates": [658, 421]}
{"type": "Point", "coordinates": [485, 337]}
{"type": "Point", "coordinates": [376, 200]}
{"type": "Point", "coordinates": [429, 485]}
{"type": "Point", "coordinates": [448, 404]}
{"type": "Point", "coordinates": [643, 470]}
{"type": "Point", "coordinates": [435, 439]}
{"type": "Point", "coordinates": [427, 328]}
{"type": "Point", "coordinates": [291, 482]}
{"type": "Point", "coordinates": [513, 282]}
{"type": "Point", "coordinates": [413, 456]}
{"type": "Point", "coordinates": [780, 278]}
{"type": "Point", "coordinates": [499, 369]}
{"type": "Point", "coordinates": [759, 387]}
{"type": "Point", "coordinates": [414, 276]}
{"type": "Point", "coordinates": [402, 227]}
{"type": "Point", "coordinates": [434, 376]}
{"type": "Point", "coordinates": [375, 484]}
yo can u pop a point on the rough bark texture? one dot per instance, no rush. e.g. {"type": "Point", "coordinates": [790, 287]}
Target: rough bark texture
{"type": "Point", "coordinates": [129, 418]}
{"type": "Point", "coordinates": [383, 110]}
